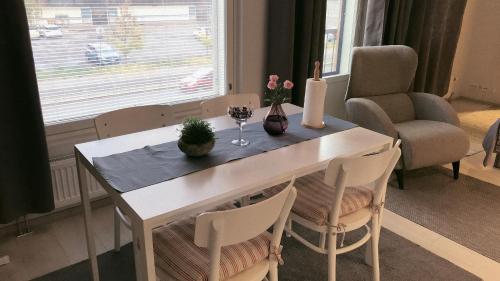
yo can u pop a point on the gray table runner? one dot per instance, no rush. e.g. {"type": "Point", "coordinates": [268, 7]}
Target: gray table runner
{"type": "Point", "coordinates": [139, 168]}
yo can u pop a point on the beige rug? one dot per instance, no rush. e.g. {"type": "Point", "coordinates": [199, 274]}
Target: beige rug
{"type": "Point", "coordinates": [466, 210]}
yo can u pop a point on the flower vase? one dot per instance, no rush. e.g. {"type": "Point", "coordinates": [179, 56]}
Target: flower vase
{"type": "Point", "coordinates": [275, 122]}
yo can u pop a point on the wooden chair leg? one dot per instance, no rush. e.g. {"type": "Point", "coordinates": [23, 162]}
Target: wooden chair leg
{"type": "Point", "coordinates": [289, 225]}
{"type": "Point", "coordinates": [117, 222]}
{"type": "Point", "coordinates": [400, 177]}
{"type": "Point", "coordinates": [375, 233]}
{"type": "Point", "coordinates": [368, 253]}
{"type": "Point", "coordinates": [456, 169]}
{"type": "Point", "coordinates": [273, 271]}
{"type": "Point", "coordinates": [245, 201]}
{"type": "Point", "coordinates": [322, 240]}
{"type": "Point", "coordinates": [332, 256]}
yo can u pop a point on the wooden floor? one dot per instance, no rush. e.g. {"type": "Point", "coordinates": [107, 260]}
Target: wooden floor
{"type": "Point", "coordinates": [57, 245]}
{"type": "Point", "coordinates": [62, 243]}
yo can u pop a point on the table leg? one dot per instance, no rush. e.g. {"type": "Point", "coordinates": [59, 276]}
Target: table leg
{"type": "Point", "coordinates": [143, 251]}
{"type": "Point", "coordinates": [87, 214]}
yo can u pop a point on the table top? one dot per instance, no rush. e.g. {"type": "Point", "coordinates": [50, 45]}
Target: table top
{"type": "Point", "coordinates": [197, 191]}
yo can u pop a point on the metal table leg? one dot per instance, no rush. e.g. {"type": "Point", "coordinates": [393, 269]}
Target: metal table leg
{"type": "Point", "coordinates": [87, 214]}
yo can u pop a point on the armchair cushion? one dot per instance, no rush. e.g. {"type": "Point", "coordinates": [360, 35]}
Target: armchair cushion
{"type": "Point", "coordinates": [367, 114]}
{"type": "Point", "coordinates": [398, 107]}
{"type": "Point", "coordinates": [381, 70]}
{"type": "Point", "coordinates": [426, 143]}
{"type": "Point", "coordinates": [432, 107]}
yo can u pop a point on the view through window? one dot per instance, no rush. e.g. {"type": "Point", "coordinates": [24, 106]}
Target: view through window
{"type": "Point", "coordinates": [94, 56]}
{"type": "Point", "coordinates": [333, 34]}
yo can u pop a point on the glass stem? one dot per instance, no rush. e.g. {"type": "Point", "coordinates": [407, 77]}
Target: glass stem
{"type": "Point", "coordinates": [241, 132]}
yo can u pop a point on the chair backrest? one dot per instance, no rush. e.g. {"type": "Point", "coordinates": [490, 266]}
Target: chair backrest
{"type": "Point", "coordinates": [132, 120]}
{"type": "Point", "coordinates": [221, 228]}
{"type": "Point", "coordinates": [218, 106]}
{"type": "Point", "coordinates": [384, 75]}
{"type": "Point", "coordinates": [362, 170]}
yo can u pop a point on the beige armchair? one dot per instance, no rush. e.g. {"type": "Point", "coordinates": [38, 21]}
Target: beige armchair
{"type": "Point", "coordinates": [378, 98]}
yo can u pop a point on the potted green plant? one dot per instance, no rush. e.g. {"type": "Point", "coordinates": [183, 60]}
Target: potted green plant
{"type": "Point", "coordinates": [197, 137]}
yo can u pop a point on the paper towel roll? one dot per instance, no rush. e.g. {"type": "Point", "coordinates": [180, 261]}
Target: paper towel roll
{"type": "Point", "coordinates": [314, 103]}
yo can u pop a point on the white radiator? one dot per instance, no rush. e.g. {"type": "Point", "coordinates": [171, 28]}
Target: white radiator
{"type": "Point", "coordinates": [65, 183]}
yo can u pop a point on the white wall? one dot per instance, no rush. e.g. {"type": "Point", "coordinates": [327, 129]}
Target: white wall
{"type": "Point", "coordinates": [476, 69]}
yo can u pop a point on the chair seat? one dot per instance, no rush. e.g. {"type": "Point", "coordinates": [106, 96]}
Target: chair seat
{"type": "Point", "coordinates": [315, 199]}
{"type": "Point", "coordinates": [426, 143]}
{"type": "Point", "coordinates": [178, 258]}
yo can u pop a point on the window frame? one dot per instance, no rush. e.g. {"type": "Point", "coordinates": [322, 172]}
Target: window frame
{"type": "Point", "coordinates": [83, 121]}
{"type": "Point", "coordinates": [62, 136]}
{"type": "Point", "coordinates": [341, 51]}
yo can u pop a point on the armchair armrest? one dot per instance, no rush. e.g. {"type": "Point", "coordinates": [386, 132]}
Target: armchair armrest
{"type": "Point", "coordinates": [369, 115]}
{"type": "Point", "coordinates": [432, 107]}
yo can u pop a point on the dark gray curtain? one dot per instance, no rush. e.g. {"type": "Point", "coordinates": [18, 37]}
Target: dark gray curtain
{"type": "Point", "coordinates": [25, 184]}
{"type": "Point", "coordinates": [295, 40]}
{"type": "Point", "coordinates": [430, 27]}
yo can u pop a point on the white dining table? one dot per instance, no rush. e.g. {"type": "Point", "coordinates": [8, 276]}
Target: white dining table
{"type": "Point", "coordinates": [159, 204]}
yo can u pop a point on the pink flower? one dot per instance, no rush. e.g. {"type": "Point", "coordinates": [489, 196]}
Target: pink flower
{"type": "Point", "coordinates": [272, 85]}
{"type": "Point", "coordinates": [288, 84]}
{"type": "Point", "coordinates": [274, 77]}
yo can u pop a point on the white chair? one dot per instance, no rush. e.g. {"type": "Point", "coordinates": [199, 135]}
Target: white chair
{"type": "Point", "coordinates": [132, 120]}
{"type": "Point", "coordinates": [351, 195]}
{"type": "Point", "coordinates": [218, 106]}
{"type": "Point", "coordinates": [229, 244]}
{"type": "Point", "coordinates": [127, 121]}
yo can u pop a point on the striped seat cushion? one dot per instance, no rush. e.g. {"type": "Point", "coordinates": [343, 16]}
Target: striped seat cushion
{"type": "Point", "coordinates": [315, 198]}
{"type": "Point", "coordinates": [178, 258]}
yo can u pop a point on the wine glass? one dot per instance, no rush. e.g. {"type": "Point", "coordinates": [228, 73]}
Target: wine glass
{"type": "Point", "coordinates": [241, 115]}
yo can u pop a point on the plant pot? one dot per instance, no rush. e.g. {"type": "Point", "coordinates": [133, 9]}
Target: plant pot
{"type": "Point", "coordinates": [275, 122]}
{"type": "Point", "coordinates": [195, 150]}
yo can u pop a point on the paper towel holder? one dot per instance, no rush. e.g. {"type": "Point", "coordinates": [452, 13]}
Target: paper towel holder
{"type": "Point", "coordinates": [316, 70]}
{"type": "Point", "coordinates": [314, 127]}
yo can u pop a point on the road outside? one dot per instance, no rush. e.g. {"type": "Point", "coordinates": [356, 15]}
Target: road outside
{"type": "Point", "coordinates": [161, 42]}
{"type": "Point", "coordinates": [72, 87]}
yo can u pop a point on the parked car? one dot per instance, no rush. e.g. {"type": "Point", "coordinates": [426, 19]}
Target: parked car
{"type": "Point", "coordinates": [202, 78]}
{"type": "Point", "coordinates": [50, 31]}
{"type": "Point", "coordinates": [201, 32]}
{"type": "Point", "coordinates": [34, 33]}
{"type": "Point", "coordinates": [102, 53]}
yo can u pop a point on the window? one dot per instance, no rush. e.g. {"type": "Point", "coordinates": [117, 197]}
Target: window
{"type": "Point", "coordinates": [105, 55]}
{"type": "Point", "coordinates": [334, 25]}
